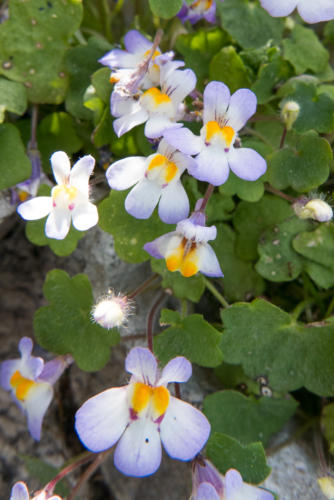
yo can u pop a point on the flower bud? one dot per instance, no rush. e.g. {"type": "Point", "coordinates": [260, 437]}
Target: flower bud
{"type": "Point", "coordinates": [315, 209]}
{"type": "Point", "coordinates": [111, 311]}
{"type": "Point", "coordinates": [289, 113]}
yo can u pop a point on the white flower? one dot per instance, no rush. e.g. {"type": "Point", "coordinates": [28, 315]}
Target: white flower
{"type": "Point", "coordinates": [69, 200]}
{"type": "Point", "coordinates": [312, 11]}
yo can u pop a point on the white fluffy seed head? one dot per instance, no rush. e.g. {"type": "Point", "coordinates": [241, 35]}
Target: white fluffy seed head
{"type": "Point", "coordinates": [315, 209]}
{"type": "Point", "coordinates": [111, 311]}
{"type": "Point", "coordinates": [290, 113]}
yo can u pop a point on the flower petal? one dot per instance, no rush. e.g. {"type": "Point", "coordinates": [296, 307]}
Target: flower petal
{"type": "Point", "coordinates": [246, 163]}
{"type": "Point", "coordinates": [174, 203]}
{"type": "Point", "coordinates": [207, 492]}
{"type": "Point", "coordinates": [117, 58]}
{"type": "Point", "coordinates": [85, 216]}
{"type": "Point", "coordinates": [183, 140]}
{"type": "Point", "coordinates": [157, 124]}
{"type": "Point", "coordinates": [136, 42]}
{"type": "Point", "coordinates": [19, 491]}
{"type": "Point", "coordinates": [211, 166]}
{"type": "Point", "coordinates": [242, 106]}
{"type": "Point", "coordinates": [102, 419]}
{"type": "Point", "coordinates": [127, 122]}
{"type": "Point", "coordinates": [61, 166]}
{"type": "Point", "coordinates": [210, 14]}
{"type": "Point", "coordinates": [158, 247]}
{"type": "Point", "coordinates": [125, 173]}
{"type": "Point", "coordinates": [58, 224]}
{"type": "Point", "coordinates": [184, 430]}
{"type": "Point", "coordinates": [279, 9]}
{"type": "Point", "coordinates": [141, 363]}
{"type": "Point", "coordinates": [80, 173]}
{"type": "Point", "coordinates": [178, 82]}
{"type": "Point", "coordinates": [178, 369]}
{"type": "Point", "coordinates": [208, 263]}
{"type": "Point", "coordinates": [216, 98]}
{"type": "Point", "coordinates": [142, 199]}
{"type": "Point", "coordinates": [54, 369]}
{"type": "Point", "coordinates": [36, 208]}
{"type": "Point", "coordinates": [315, 12]}
{"type": "Point", "coordinates": [36, 404]}
{"type": "Point", "coordinates": [7, 369]}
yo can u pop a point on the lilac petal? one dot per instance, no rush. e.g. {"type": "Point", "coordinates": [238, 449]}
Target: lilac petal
{"type": "Point", "coordinates": [158, 247]}
{"type": "Point", "coordinates": [31, 366]}
{"type": "Point", "coordinates": [174, 203]}
{"type": "Point", "coordinates": [36, 404]}
{"type": "Point", "coordinates": [125, 173]}
{"type": "Point", "coordinates": [211, 166]}
{"type": "Point", "coordinates": [119, 59]}
{"type": "Point", "coordinates": [141, 363]}
{"type": "Point", "coordinates": [207, 262]}
{"type": "Point", "coordinates": [85, 216]}
{"type": "Point", "coordinates": [19, 491]}
{"type": "Point", "coordinates": [36, 208]}
{"type": "Point", "coordinates": [54, 369]}
{"type": "Point", "coordinates": [25, 347]}
{"type": "Point", "coordinates": [80, 173]}
{"type": "Point", "coordinates": [177, 370]}
{"type": "Point", "coordinates": [242, 106]}
{"type": "Point", "coordinates": [142, 199]}
{"type": "Point", "coordinates": [191, 229]}
{"type": "Point", "coordinates": [58, 224]}
{"type": "Point", "coordinates": [120, 105]}
{"type": "Point", "coordinates": [206, 492]}
{"type": "Point", "coordinates": [183, 162]}
{"type": "Point", "coordinates": [61, 166]}
{"type": "Point", "coordinates": [127, 122]}
{"type": "Point", "coordinates": [205, 472]}
{"type": "Point", "coordinates": [179, 84]}
{"type": "Point", "coordinates": [184, 430]}
{"type": "Point", "coordinates": [157, 125]}
{"type": "Point", "coordinates": [210, 14]}
{"type": "Point", "coordinates": [316, 11]}
{"type": "Point", "coordinates": [7, 369]}
{"type": "Point", "coordinates": [135, 42]}
{"type": "Point", "coordinates": [279, 8]}
{"type": "Point", "coordinates": [102, 419]}
{"type": "Point", "coordinates": [246, 163]}
{"type": "Point", "coordinates": [216, 99]}
{"type": "Point", "coordinates": [184, 140]}
{"type": "Point", "coordinates": [138, 452]}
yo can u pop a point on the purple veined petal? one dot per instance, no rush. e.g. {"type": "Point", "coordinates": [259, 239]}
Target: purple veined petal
{"type": "Point", "coordinates": [19, 491]}
{"type": "Point", "coordinates": [211, 166]}
{"type": "Point", "coordinates": [31, 366]}
{"type": "Point", "coordinates": [210, 14]}
{"type": "Point", "coordinates": [179, 84]}
{"type": "Point", "coordinates": [58, 224]}
{"type": "Point", "coordinates": [242, 106]}
{"type": "Point", "coordinates": [142, 199]}
{"type": "Point", "coordinates": [166, 149]}
{"type": "Point", "coordinates": [61, 166]}
{"type": "Point", "coordinates": [315, 12]}
{"type": "Point", "coordinates": [7, 369]}
{"type": "Point", "coordinates": [120, 105]}
{"type": "Point", "coordinates": [205, 472]}
{"type": "Point", "coordinates": [127, 122]}
{"type": "Point", "coordinates": [184, 140]}
{"type": "Point", "coordinates": [53, 369]}
{"type": "Point", "coordinates": [85, 216]}
{"type": "Point", "coordinates": [183, 13]}
{"type": "Point", "coordinates": [279, 9]}
{"type": "Point", "coordinates": [125, 173]}
{"type": "Point", "coordinates": [102, 419]}
{"type": "Point", "coordinates": [36, 208]}
{"type": "Point", "coordinates": [191, 229]}
{"type": "Point", "coordinates": [138, 452]}
{"type": "Point", "coordinates": [157, 124]}
{"type": "Point", "coordinates": [184, 430]}
{"type": "Point", "coordinates": [117, 58]}
{"type": "Point", "coordinates": [25, 347]}
{"type": "Point", "coordinates": [216, 98]}
{"type": "Point", "coordinates": [80, 173]}
{"type": "Point", "coordinates": [141, 363]}
{"type": "Point", "coordinates": [246, 163]}
{"type": "Point", "coordinates": [158, 247]}
{"type": "Point", "coordinates": [174, 203]}
{"type": "Point", "coordinates": [183, 161]}
{"type": "Point", "coordinates": [178, 369]}
{"type": "Point", "coordinates": [135, 42]}
{"type": "Point", "coordinates": [36, 404]}
{"type": "Point", "coordinates": [207, 492]}
{"type": "Point", "coordinates": [208, 263]}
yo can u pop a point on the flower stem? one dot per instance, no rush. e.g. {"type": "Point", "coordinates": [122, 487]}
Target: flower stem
{"type": "Point", "coordinates": [143, 286]}
{"type": "Point", "coordinates": [151, 318]}
{"type": "Point", "coordinates": [300, 308]}
{"type": "Point", "coordinates": [177, 390]}
{"type": "Point", "coordinates": [279, 193]}
{"type": "Point", "coordinates": [85, 457]}
{"type": "Point", "coordinates": [88, 473]}
{"type": "Point", "coordinates": [33, 134]}
{"type": "Point", "coordinates": [215, 292]}
{"type": "Point", "coordinates": [206, 198]}
{"type": "Point", "coordinates": [283, 138]}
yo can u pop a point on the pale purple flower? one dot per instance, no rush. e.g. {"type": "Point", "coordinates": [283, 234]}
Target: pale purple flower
{"type": "Point", "coordinates": [69, 200]}
{"type": "Point", "coordinates": [30, 382]}
{"type": "Point", "coordinates": [157, 180]}
{"type": "Point", "coordinates": [197, 10]}
{"type": "Point", "coordinates": [223, 116]}
{"type": "Point", "coordinates": [20, 492]}
{"type": "Point", "coordinates": [141, 415]}
{"type": "Point", "coordinates": [311, 11]}
{"type": "Point", "coordinates": [28, 188]}
{"type": "Point", "coordinates": [209, 484]}
{"type": "Point", "coordinates": [187, 250]}
{"type": "Point", "coordinates": [159, 108]}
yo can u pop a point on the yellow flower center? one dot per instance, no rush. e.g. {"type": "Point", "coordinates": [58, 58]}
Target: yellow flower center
{"type": "Point", "coordinates": [161, 169]}
{"type": "Point", "coordinates": [184, 259]}
{"type": "Point", "coordinates": [64, 195]}
{"type": "Point", "coordinates": [222, 135]}
{"type": "Point", "coordinates": [154, 100]}
{"type": "Point", "coordinates": [21, 385]}
{"type": "Point", "coordinates": [145, 397]}
{"type": "Point", "coordinates": [201, 5]}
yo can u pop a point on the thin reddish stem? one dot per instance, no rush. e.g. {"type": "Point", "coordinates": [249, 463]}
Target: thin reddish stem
{"type": "Point", "coordinates": [283, 138]}
{"type": "Point", "coordinates": [88, 473]}
{"type": "Point", "coordinates": [143, 286]}
{"type": "Point", "coordinates": [206, 197]}
{"type": "Point", "coordinates": [279, 193]}
{"type": "Point", "coordinates": [67, 470]}
{"type": "Point", "coordinates": [151, 318]}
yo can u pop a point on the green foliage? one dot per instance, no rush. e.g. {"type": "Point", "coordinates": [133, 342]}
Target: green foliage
{"type": "Point", "coordinates": [192, 337]}
{"type": "Point", "coordinates": [33, 42]}
{"type": "Point", "coordinates": [327, 421]}
{"type": "Point", "coordinates": [228, 67]}
{"type": "Point", "coordinates": [304, 50]}
{"type": "Point", "coordinates": [245, 190]}
{"type": "Point", "coordinates": [65, 326]}
{"type": "Point", "coordinates": [15, 166]}
{"type": "Point", "coordinates": [165, 9]}
{"type": "Point", "coordinates": [44, 472]}
{"type": "Point", "coordinates": [267, 341]}
{"type": "Point", "coordinates": [227, 453]}
{"type": "Point", "coordinates": [13, 98]}
{"type": "Point", "coordinates": [270, 74]}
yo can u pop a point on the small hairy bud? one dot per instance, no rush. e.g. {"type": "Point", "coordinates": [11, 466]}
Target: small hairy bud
{"type": "Point", "coordinates": [315, 209]}
{"type": "Point", "coordinates": [289, 113]}
{"type": "Point", "coordinates": [111, 311]}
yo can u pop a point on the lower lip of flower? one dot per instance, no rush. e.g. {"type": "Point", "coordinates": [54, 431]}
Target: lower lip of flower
{"type": "Point", "coordinates": [154, 400]}
{"type": "Point", "coordinates": [183, 259]}
{"type": "Point", "coordinates": [161, 170]}
{"type": "Point", "coordinates": [21, 385]}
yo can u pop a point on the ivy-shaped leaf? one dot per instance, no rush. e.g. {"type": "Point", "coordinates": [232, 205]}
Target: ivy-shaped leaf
{"type": "Point", "coordinates": [304, 50]}
{"type": "Point", "coordinates": [228, 67]}
{"type": "Point", "coordinates": [13, 98]}
{"type": "Point", "coordinates": [165, 9]}
{"type": "Point", "coordinates": [15, 166]}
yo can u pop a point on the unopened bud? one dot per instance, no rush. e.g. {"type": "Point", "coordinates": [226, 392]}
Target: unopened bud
{"type": "Point", "coordinates": [111, 311]}
{"type": "Point", "coordinates": [327, 486]}
{"type": "Point", "coordinates": [315, 209]}
{"type": "Point", "coordinates": [289, 113]}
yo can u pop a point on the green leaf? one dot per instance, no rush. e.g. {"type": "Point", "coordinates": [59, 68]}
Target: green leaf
{"type": "Point", "coordinates": [164, 9]}
{"type": "Point", "coordinates": [44, 472]}
{"type": "Point", "coordinates": [245, 418]}
{"type": "Point", "coordinates": [130, 234]}
{"type": "Point", "coordinates": [317, 245]}
{"type": "Point", "coordinates": [65, 326]}
{"type": "Point", "coordinates": [250, 220]}
{"type": "Point", "coordinates": [269, 75]}
{"type": "Point", "coordinates": [250, 460]}
{"type": "Point", "coordinates": [13, 98]}
{"type": "Point", "coordinates": [278, 260]}
{"type": "Point", "coordinates": [245, 190]}
{"type": "Point", "coordinates": [266, 341]}
{"type": "Point", "coordinates": [192, 337]}
{"type": "Point", "coordinates": [15, 166]}
{"type": "Point", "coordinates": [33, 42]}
{"type": "Point", "coordinates": [321, 275]}
{"type": "Point", "coordinates": [304, 164]}
{"type": "Point", "coordinates": [249, 24]}
{"type": "Point", "coordinates": [219, 208]}
{"type": "Point", "coordinates": [327, 424]}
{"type": "Point", "coordinates": [183, 288]}
{"type": "Point", "coordinates": [228, 67]}
{"type": "Point", "coordinates": [101, 83]}
{"type": "Point", "coordinates": [304, 50]}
